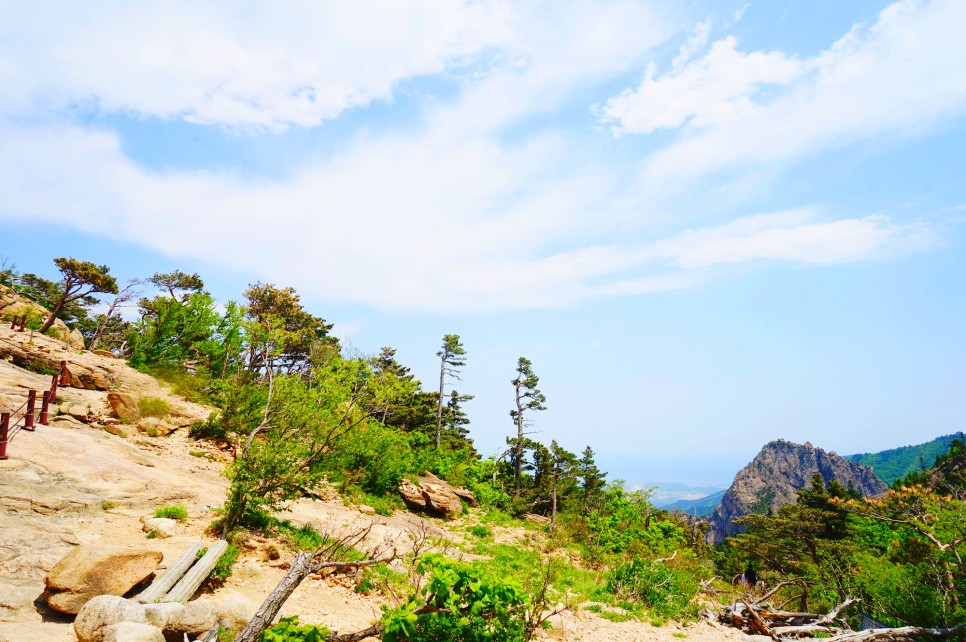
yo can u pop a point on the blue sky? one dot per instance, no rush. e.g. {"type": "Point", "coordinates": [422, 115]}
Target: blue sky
{"type": "Point", "coordinates": [708, 226]}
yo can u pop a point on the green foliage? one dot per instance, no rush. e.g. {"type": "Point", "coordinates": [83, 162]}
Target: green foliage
{"type": "Point", "coordinates": [172, 511]}
{"type": "Point", "coordinates": [627, 523]}
{"type": "Point", "coordinates": [222, 570]}
{"type": "Point", "coordinates": [662, 589]}
{"type": "Point", "coordinates": [374, 457]}
{"type": "Point", "coordinates": [894, 464]}
{"type": "Point", "coordinates": [460, 601]}
{"type": "Point", "coordinates": [153, 407]}
{"type": "Point", "coordinates": [108, 505]}
{"type": "Point", "coordinates": [289, 630]}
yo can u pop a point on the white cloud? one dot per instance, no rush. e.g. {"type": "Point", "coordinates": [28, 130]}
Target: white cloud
{"type": "Point", "coordinates": [716, 88]}
{"type": "Point", "coordinates": [438, 225]}
{"type": "Point", "coordinates": [898, 77]}
{"type": "Point", "coordinates": [451, 216]}
{"type": "Point", "coordinates": [796, 236]}
{"type": "Point", "coordinates": [236, 64]}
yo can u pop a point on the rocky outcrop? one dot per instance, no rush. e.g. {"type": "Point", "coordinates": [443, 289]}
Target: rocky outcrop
{"type": "Point", "coordinates": [773, 478]}
{"type": "Point", "coordinates": [13, 305]}
{"type": "Point", "coordinates": [124, 406]}
{"type": "Point", "coordinates": [434, 496]}
{"type": "Point", "coordinates": [90, 570]}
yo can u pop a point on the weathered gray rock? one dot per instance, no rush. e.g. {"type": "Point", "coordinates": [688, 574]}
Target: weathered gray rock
{"type": "Point", "coordinates": [194, 618]}
{"type": "Point", "coordinates": [773, 478]}
{"type": "Point", "coordinates": [132, 632]}
{"type": "Point", "coordinates": [412, 496]}
{"type": "Point", "coordinates": [124, 406]}
{"type": "Point", "coordinates": [90, 570]}
{"type": "Point", "coordinates": [234, 611]}
{"type": "Point", "coordinates": [163, 526]}
{"type": "Point", "coordinates": [160, 613]}
{"type": "Point", "coordinates": [102, 611]}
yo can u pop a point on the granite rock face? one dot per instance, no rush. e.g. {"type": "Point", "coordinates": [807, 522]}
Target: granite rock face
{"type": "Point", "coordinates": [773, 478]}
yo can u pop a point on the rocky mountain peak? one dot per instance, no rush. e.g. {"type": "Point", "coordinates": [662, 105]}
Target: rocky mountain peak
{"type": "Point", "coordinates": [774, 476]}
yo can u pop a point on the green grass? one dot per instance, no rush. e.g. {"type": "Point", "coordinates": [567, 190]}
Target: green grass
{"type": "Point", "coordinates": [153, 407]}
{"type": "Point", "coordinates": [196, 453]}
{"type": "Point", "coordinates": [108, 505]}
{"type": "Point", "coordinates": [614, 616]}
{"type": "Point", "coordinates": [172, 511]}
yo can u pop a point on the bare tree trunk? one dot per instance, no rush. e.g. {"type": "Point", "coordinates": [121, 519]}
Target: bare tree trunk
{"type": "Point", "coordinates": [439, 410]}
{"type": "Point", "coordinates": [518, 467]}
{"type": "Point", "coordinates": [301, 568]}
{"type": "Point", "coordinates": [553, 503]}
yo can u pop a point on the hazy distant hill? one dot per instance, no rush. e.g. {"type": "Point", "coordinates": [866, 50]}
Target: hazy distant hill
{"type": "Point", "coordinates": [890, 465]}
{"type": "Point", "coordinates": [665, 493]}
{"type": "Point", "coordinates": [773, 478]}
{"type": "Point", "coordinates": [701, 507]}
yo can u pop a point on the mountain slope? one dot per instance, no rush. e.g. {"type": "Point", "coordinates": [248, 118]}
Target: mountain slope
{"type": "Point", "coordinates": [772, 478]}
{"type": "Point", "coordinates": [700, 507]}
{"type": "Point", "coordinates": [896, 463]}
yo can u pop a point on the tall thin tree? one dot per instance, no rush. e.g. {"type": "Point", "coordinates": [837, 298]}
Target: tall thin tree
{"type": "Point", "coordinates": [450, 360]}
{"type": "Point", "coordinates": [528, 398]}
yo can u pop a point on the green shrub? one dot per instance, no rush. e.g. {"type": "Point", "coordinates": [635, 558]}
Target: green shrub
{"type": "Point", "coordinates": [172, 511]}
{"type": "Point", "coordinates": [466, 603]}
{"type": "Point", "coordinates": [481, 531]}
{"type": "Point", "coordinates": [289, 630]}
{"type": "Point", "coordinates": [153, 407]}
{"type": "Point", "coordinates": [222, 570]}
{"type": "Point", "coordinates": [663, 590]}
{"type": "Point", "coordinates": [108, 505]}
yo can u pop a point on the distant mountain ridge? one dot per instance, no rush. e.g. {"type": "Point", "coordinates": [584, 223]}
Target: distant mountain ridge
{"type": "Point", "coordinates": [702, 507]}
{"type": "Point", "coordinates": [896, 463]}
{"type": "Point", "coordinates": [774, 476]}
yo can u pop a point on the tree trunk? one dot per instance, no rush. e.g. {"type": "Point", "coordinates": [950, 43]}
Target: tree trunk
{"type": "Point", "coordinates": [518, 467]}
{"type": "Point", "coordinates": [301, 568]}
{"type": "Point", "coordinates": [553, 503]}
{"type": "Point", "coordinates": [53, 315]}
{"type": "Point", "coordinates": [439, 410]}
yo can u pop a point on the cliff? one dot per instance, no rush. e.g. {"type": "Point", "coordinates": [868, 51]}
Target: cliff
{"type": "Point", "coordinates": [772, 478]}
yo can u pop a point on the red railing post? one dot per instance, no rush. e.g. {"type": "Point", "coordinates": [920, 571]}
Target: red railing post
{"type": "Point", "coordinates": [4, 427]}
{"type": "Point", "coordinates": [28, 419]}
{"type": "Point", "coordinates": [53, 389]}
{"type": "Point", "coordinates": [63, 373]}
{"type": "Point", "coordinates": [43, 408]}
{"type": "Point", "coordinates": [13, 324]}
{"type": "Point", "coordinates": [23, 323]}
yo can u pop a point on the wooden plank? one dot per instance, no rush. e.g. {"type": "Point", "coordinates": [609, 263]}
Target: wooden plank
{"type": "Point", "coordinates": [163, 583]}
{"type": "Point", "coordinates": [197, 574]}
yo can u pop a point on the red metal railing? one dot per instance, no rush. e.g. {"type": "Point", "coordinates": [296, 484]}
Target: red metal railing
{"type": "Point", "coordinates": [25, 417]}
{"type": "Point", "coordinates": [20, 321]}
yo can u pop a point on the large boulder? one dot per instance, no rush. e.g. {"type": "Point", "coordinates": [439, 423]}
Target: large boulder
{"type": "Point", "coordinates": [412, 495]}
{"type": "Point", "coordinates": [441, 500]}
{"type": "Point", "coordinates": [76, 340]}
{"type": "Point", "coordinates": [132, 632]}
{"type": "Point", "coordinates": [102, 612]}
{"type": "Point", "coordinates": [432, 495]}
{"type": "Point", "coordinates": [91, 570]}
{"type": "Point", "coordinates": [124, 406]}
{"type": "Point", "coordinates": [193, 618]}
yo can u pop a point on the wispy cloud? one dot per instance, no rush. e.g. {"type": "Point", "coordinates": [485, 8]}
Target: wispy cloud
{"type": "Point", "coordinates": [896, 77]}
{"type": "Point", "coordinates": [454, 214]}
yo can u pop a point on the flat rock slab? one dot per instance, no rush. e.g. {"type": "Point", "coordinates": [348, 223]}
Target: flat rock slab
{"type": "Point", "coordinates": [90, 570]}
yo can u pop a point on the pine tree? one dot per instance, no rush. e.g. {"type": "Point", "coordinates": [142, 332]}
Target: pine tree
{"type": "Point", "coordinates": [528, 399]}
{"type": "Point", "coordinates": [450, 360]}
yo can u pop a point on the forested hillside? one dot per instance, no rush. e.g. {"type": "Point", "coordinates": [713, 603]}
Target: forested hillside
{"type": "Point", "coordinates": [896, 463]}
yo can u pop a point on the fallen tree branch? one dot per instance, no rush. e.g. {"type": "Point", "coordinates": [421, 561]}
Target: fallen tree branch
{"type": "Point", "coordinates": [901, 633]}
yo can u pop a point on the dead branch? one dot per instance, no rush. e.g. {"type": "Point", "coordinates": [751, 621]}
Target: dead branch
{"type": "Point", "coordinates": [333, 554]}
{"type": "Point", "coordinates": [901, 633]}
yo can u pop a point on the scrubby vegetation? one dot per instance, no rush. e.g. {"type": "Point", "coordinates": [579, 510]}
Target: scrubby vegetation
{"type": "Point", "coordinates": [298, 412]}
